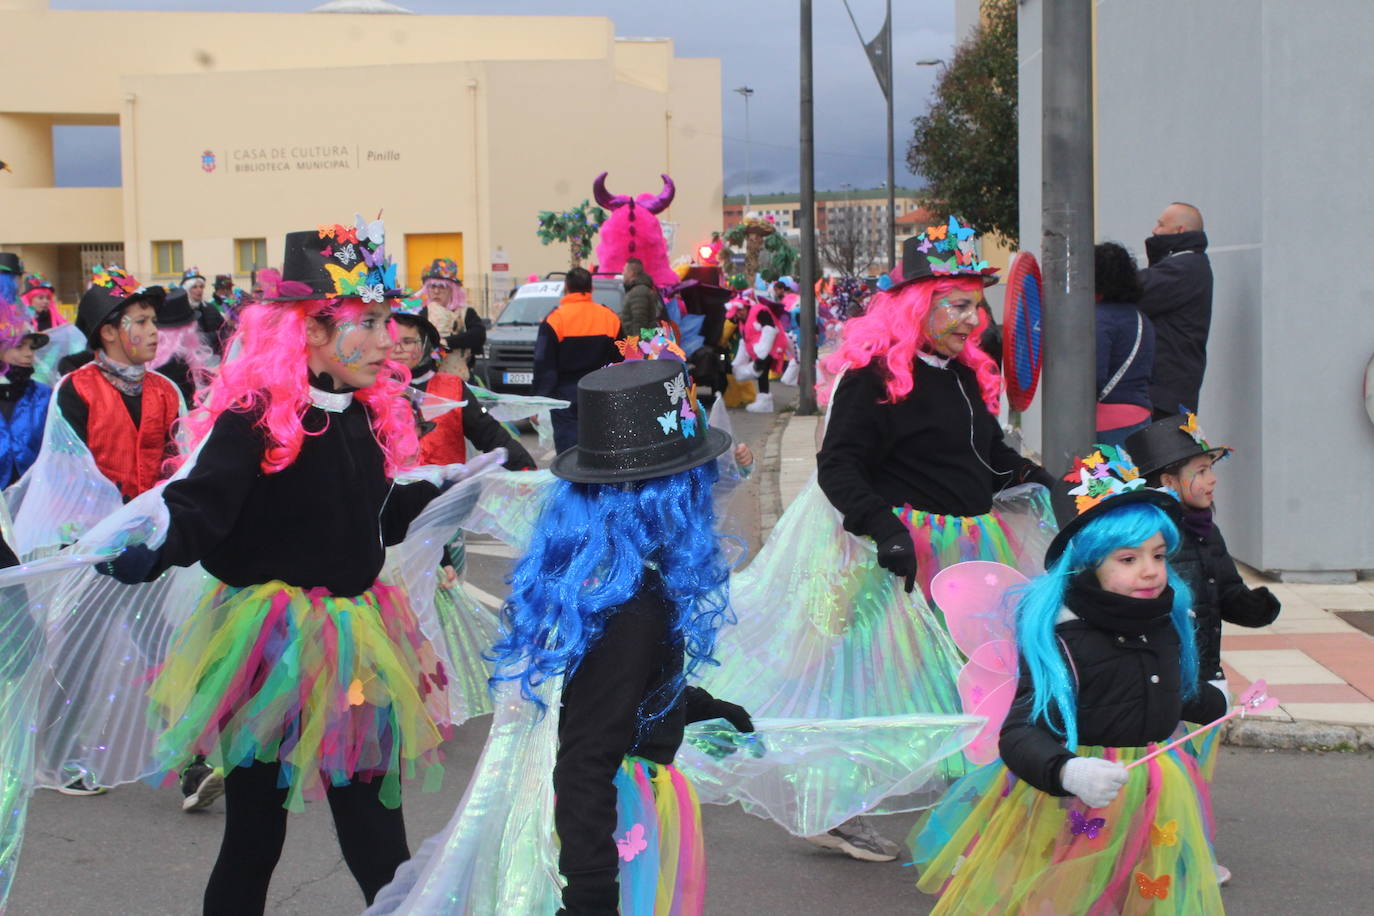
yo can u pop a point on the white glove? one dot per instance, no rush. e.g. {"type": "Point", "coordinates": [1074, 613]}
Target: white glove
{"type": "Point", "coordinates": [764, 345]}
{"type": "Point", "coordinates": [1094, 780]}
{"type": "Point", "coordinates": [743, 366]}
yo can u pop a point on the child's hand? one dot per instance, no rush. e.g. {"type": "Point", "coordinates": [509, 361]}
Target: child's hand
{"type": "Point", "coordinates": [448, 575]}
{"type": "Point", "coordinates": [744, 456]}
{"type": "Point", "coordinates": [1096, 781]}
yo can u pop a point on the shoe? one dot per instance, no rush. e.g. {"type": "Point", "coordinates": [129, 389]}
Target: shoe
{"type": "Point", "coordinates": [201, 785]}
{"type": "Point", "coordinates": [791, 373]}
{"type": "Point", "coordinates": [1223, 875]}
{"type": "Point", "coordinates": [857, 839]}
{"type": "Point", "coordinates": [79, 786]}
{"type": "Point", "coordinates": [762, 404]}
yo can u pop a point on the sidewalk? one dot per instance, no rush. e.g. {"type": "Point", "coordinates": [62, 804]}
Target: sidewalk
{"type": "Point", "coordinates": [1314, 659]}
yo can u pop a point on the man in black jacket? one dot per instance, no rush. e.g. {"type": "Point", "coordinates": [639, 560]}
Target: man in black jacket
{"type": "Point", "coordinates": [1178, 299]}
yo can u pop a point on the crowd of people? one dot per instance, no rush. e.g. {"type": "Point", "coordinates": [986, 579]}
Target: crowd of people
{"type": "Point", "coordinates": [313, 451]}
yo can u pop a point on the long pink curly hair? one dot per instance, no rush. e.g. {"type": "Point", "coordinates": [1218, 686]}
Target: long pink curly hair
{"type": "Point", "coordinates": [267, 370]}
{"type": "Point", "coordinates": [893, 329]}
{"type": "Point", "coordinates": [187, 343]}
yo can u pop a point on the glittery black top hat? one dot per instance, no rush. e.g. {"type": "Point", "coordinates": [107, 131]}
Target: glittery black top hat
{"type": "Point", "coordinates": [637, 420]}
{"type": "Point", "coordinates": [112, 288]}
{"type": "Point", "coordinates": [944, 250]}
{"type": "Point", "coordinates": [334, 262]}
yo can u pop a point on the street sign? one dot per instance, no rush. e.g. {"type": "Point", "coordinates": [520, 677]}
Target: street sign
{"type": "Point", "coordinates": [1021, 343]}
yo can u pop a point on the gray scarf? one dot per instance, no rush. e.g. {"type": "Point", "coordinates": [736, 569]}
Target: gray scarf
{"type": "Point", "coordinates": [128, 380]}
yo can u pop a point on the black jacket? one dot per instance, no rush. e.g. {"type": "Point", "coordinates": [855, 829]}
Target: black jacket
{"type": "Point", "coordinates": [916, 452]}
{"type": "Point", "coordinates": [1128, 689]}
{"type": "Point", "coordinates": [622, 675]}
{"type": "Point", "coordinates": [1218, 594]}
{"type": "Point", "coordinates": [1116, 334]}
{"type": "Point", "coordinates": [1178, 299]}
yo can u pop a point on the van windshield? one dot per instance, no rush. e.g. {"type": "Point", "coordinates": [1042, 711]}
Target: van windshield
{"type": "Point", "coordinates": [527, 310]}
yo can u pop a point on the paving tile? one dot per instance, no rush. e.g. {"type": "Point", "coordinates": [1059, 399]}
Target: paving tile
{"type": "Point", "coordinates": [1331, 624]}
{"type": "Point", "coordinates": [1343, 713]}
{"type": "Point", "coordinates": [1281, 666]}
{"type": "Point", "coordinates": [1289, 694]}
{"type": "Point", "coordinates": [1250, 639]}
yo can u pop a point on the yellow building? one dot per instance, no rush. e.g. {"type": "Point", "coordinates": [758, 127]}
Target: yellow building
{"type": "Point", "coordinates": [236, 128]}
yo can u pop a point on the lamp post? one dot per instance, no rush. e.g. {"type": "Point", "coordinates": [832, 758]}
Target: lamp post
{"type": "Point", "coordinates": [748, 170]}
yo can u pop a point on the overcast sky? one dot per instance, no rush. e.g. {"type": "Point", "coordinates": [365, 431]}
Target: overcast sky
{"type": "Point", "coordinates": [756, 41]}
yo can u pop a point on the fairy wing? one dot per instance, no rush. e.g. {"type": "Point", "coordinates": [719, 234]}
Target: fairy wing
{"type": "Point", "coordinates": [978, 609]}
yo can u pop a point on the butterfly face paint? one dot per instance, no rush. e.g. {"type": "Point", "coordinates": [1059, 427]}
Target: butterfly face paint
{"type": "Point", "coordinates": [355, 350]}
{"type": "Point", "coordinates": [953, 318]}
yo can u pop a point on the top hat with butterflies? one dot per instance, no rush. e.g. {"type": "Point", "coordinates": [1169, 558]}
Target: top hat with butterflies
{"type": "Point", "coordinates": [1099, 482]}
{"type": "Point", "coordinates": [1170, 441]}
{"type": "Point", "coordinates": [637, 420]}
{"type": "Point", "coordinates": [443, 269]}
{"type": "Point", "coordinates": [112, 288]}
{"type": "Point", "coordinates": [334, 261]}
{"type": "Point", "coordinates": [944, 250]}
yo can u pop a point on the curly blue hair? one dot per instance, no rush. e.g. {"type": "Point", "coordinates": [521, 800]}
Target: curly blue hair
{"type": "Point", "coordinates": [588, 556]}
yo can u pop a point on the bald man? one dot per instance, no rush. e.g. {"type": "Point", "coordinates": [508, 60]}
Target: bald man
{"type": "Point", "coordinates": [1178, 300]}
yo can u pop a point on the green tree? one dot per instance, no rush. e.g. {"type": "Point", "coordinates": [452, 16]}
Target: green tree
{"type": "Point", "coordinates": [965, 146]}
{"type": "Point", "coordinates": [577, 226]}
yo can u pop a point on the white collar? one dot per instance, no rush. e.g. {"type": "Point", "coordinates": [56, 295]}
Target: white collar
{"type": "Point", "coordinates": [930, 359]}
{"type": "Point", "coordinates": [330, 401]}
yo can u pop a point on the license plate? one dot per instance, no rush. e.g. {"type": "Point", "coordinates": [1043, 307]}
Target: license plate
{"type": "Point", "coordinates": [518, 378]}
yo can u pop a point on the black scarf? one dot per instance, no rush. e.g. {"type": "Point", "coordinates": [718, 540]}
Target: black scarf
{"type": "Point", "coordinates": [1117, 613]}
{"type": "Point", "coordinates": [16, 382]}
{"type": "Point", "coordinates": [1198, 521]}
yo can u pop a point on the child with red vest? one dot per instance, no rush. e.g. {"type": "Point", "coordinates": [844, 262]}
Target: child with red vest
{"type": "Point", "coordinates": [122, 411]}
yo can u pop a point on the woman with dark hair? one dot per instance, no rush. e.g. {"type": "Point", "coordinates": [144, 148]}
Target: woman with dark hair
{"type": "Point", "coordinates": [1125, 347]}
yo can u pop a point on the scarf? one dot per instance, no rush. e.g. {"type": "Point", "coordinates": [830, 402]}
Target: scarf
{"type": "Point", "coordinates": [127, 380]}
{"type": "Point", "coordinates": [1199, 522]}
{"type": "Point", "coordinates": [1117, 613]}
{"type": "Point", "coordinates": [15, 382]}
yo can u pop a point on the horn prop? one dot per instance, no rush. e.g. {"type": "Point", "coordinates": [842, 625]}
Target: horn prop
{"type": "Point", "coordinates": [664, 198]}
{"type": "Point", "coordinates": [604, 197]}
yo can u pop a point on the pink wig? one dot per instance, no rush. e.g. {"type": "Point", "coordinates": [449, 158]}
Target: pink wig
{"type": "Point", "coordinates": [893, 329]}
{"type": "Point", "coordinates": [458, 301]}
{"type": "Point", "coordinates": [52, 305]}
{"type": "Point", "coordinates": [187, 343]}
{"type": "Point", "coordinates": [268, 372]}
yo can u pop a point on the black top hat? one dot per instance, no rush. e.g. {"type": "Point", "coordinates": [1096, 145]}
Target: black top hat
{"type": "Point", "coordinates": [1168, 441]}
{"type": "Point", "coordinates": [112, 288]}
{"type": "Point", "coordinates": [175, 310]}
{"type": "Point", "coordinates": [10, 263]}
{"type": "Point", "coordinates": [417, 320]}
{"type": "Point", "coordinates": [638, 420]}
{"type": "Point", "coordinates": [1102, 481]}
{"type": "Point", "coordinates": [334, 262]}
{"type": "Point", "coordinates": [944, 250]}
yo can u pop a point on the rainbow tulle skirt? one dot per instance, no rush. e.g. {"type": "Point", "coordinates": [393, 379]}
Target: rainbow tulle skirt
{"type": "Point", "coordinates": [996, 845]}
{"type": "Point", "coordinates": [658, 835]}
{"type": "Point", "coordinates": [332, 688]}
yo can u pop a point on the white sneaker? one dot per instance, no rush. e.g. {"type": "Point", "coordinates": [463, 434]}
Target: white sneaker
{"type": "Point", "coordinates": [1223, 875]}
{"type": "Point", "coordinates": [762, 404]}
{"type": "Point", "coordinates": [791, 373]}
{"type": "Point", "coordinates": [857, 839]}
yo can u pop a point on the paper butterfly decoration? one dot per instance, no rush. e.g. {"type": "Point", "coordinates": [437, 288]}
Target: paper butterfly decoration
{"type": "Point", "coordinates": [936, 232]}
{"type": "Point", "coordinates": [1082, 825]}
{"type": "Point", "coordinates": [628, 346]}
{"type": "Point", "coordinates": [346, 255]}
{"type": "Point", "coordinates": [1166, 835]}
{"type": "Point", "coordinates": [676, 388]}
{"type": "Point", "coordinates": [355, 693]}
{"type": "Point", "coordinates": [369, 231]}
{"type": "Point", "coordinates": [958, 231]}
{"type": "Point", "coordinates": [347, 281]}
{"type": "Point", "coordinates": [668, 421]}
{"type": "Point", "coordinates": [632, 844]}
{"type": "Point", "coordinates": [372, 293]}
{"type": "Point", "coordinates": [973, 598]}
{"type": "Point", "coordinates": [1148, 887]}
{"type": "Point", "coordinates": [1108, 471]}
{"type": "Point", "coordinates": [1195, 431]}
{"type": "Point", "coordinates": [1257, 698]}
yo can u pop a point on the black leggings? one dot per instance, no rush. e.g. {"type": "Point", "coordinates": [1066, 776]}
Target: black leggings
{"type": "Point", "coordinates": [763, 367]}
{"type": "Point", "coordinates": [371, 837]}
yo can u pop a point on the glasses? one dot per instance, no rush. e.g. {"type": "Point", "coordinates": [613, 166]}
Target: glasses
{"type": "Point", "coordinates": [408, 343]}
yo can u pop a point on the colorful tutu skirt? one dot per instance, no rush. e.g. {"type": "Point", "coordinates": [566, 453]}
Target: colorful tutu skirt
{"type": "Point", "coordinates": [331, 688]}
{"type": "Point", "coordinates": [996, 845]}
{"type": "Point", "coordinates": [658, 835]}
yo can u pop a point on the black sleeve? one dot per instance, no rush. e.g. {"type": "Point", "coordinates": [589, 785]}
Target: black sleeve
{"type": "Point", "coordinates": [1167, 286]}
{"type": "Point", "coordinates": [854, 439]}
{"type": "Point", "coordinates": [1239, 603]}
{"type": "Point", "coordinates": [1030, 749]}
{"type": "Point", "coordinates": [1209, 705]}
{"type": "Point", "coordinates": [545, 361]}
{"type": "Point", "coordinates": [473, 336]}
{"type": "Point", "coordinates": [205, 503]}
{"type": "Point", "coordinates": [596, 729]}
{"type": "Point", "coordinates": [766, 319]}
{"type": "Point", "coordinates": [1006, 459]}
{"type": "Point", "coordinates": [403, 503]}
{"type": "Point", "coordinates": [483, 431]}
{"type": "Point", "coordinates": [74, 410]}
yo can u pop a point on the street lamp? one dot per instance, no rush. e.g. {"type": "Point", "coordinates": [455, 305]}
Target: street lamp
{"type": "Point", "coordinates": [748, 171]}
{"type": "Point", "coordinates": [931, 62]}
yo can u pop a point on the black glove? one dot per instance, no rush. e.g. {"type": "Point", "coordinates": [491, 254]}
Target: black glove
{"type": "Point", "coordinates": [1039, 475]}
{"type": "Point", "coordinates": [701, 706]}
{"type": "Point", "coordinates": [131, 566]}
{"type": "Point", "coordinates": [897, 555]}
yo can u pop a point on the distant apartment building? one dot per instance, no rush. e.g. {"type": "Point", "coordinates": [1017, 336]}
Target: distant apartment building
{"type": "Point", "coordinates": [868, 205]}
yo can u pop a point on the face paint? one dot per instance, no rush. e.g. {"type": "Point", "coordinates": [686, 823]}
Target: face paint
{"type": "Point", "coordinates": [351, 360]}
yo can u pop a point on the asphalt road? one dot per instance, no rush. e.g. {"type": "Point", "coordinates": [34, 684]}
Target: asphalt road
{"type": "Point", "coordinates": [1296, 829]}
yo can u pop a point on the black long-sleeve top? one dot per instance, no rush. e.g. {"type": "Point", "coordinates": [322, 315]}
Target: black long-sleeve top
{"type": "Point", "coordinates": [938, 449]}
{"type": "Point", "coordinates": [323, 521]}
{"type": "Point", "coordinates": [621, 677]}
{"type": "Point", "coordinates": [1128, 685]}
{"type": "Point", "coordinates": [473, 337]}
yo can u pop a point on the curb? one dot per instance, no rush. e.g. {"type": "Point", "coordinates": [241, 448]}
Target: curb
{"type": "Point", "coordinates": [1293, 735]}
{"type": "Point", "coordinates": [770, 490]}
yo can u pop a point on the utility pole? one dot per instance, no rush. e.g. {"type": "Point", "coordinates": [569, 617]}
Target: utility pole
{"type": "Point", "coordinates": [806, 396]}
{"type": "Point", "coordinates": [748, 168]}
{"type": "Point", "coordinates": [1070, 399]}
{"type": "Point", "coordinates": [891, 144]}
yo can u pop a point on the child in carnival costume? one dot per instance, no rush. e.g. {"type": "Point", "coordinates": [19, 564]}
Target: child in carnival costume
{"type": "Point", "coordinates": [913, 475]}
{"type": "Point", "coordinates": [41, 301]}
{"type": "Point", "coordinates": [300, 674]}
{"type": "Point", "coordinates": [1105, 666]}
{"type": "Point", "coordinates": [615, 604]}
{"type": "Point", "coordinates": [764, 344]}
{"type": "Point", "coordinates": [1174, 453]}
{"type": "Point", "coordinates": [23, 401]}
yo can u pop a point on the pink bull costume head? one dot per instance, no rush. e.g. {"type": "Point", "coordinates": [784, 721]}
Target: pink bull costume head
{"type": "Point", "coordinates": [633, 231]}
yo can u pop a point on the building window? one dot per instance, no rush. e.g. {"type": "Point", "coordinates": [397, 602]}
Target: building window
{"type": "Point", "coordinates": [249, 255]}
{"type": "Point", "coordinates": [167, 259]}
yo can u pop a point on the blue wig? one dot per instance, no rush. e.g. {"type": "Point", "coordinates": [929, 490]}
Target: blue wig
{"type": "Point", "coordinates": [9, 287]}
{"type": "Point", "coordinates": [1054, 703]}
{"type": "Point", "coordinates": [587, 557]}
